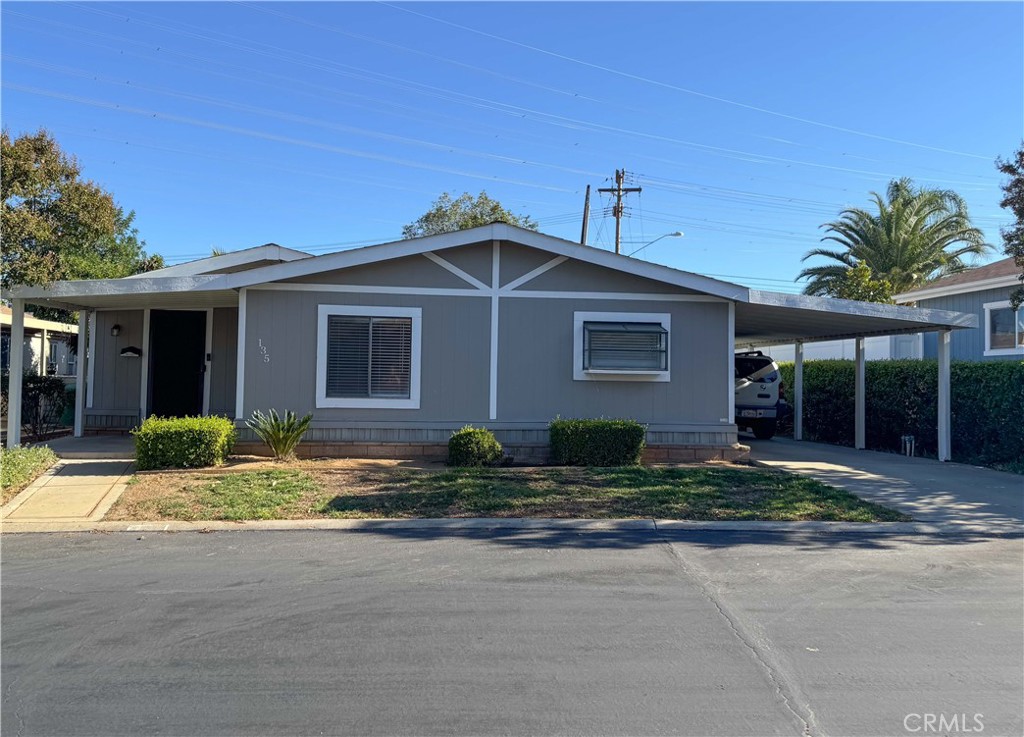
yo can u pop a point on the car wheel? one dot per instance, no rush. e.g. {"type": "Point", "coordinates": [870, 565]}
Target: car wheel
{"type": "Point", "coordinates": [765, 429]}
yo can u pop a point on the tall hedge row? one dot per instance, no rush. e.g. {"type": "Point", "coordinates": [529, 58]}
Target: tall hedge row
{"type": "Point", "coordinates": [902, 399]}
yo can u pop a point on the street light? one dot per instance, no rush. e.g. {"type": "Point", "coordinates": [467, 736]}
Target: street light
{"type": "Point", "coordinates": [676, 234]}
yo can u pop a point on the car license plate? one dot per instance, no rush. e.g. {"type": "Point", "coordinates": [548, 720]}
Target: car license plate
{"type": "Point", "coordinates": [748, 413]}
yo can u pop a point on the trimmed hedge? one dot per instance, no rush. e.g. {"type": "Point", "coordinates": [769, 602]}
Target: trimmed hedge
{"type": "Point", "coordinates": [473, 446]}
{"type": "Point", "coordinates": [596, 442]}
{"type": "Point", "coordinates": [183, 442]}
{"type": "Point", "coordinates": [987, 404]}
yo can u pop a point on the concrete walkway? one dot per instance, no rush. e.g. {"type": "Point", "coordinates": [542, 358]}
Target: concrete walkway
{"type": "Point", "coordinates": [71, 491]}
{"type": "Point", "coordinates": [927, 490]}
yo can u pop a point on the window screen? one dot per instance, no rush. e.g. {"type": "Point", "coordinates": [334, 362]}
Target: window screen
{"type": "Point", "coordinates": [1005, 328]}
{"type": "Point", "coordinates": [625, 346]}
{"type": "Point", "coordinates": [369, 356]}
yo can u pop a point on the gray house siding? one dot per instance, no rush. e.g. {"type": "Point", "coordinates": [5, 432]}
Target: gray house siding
{"type": "Point", "coordinates": [223, 363]}
{"type": "Point", "coordinates": [966, 345]}
{"type": "Point", "coordinates": [411, 271]}
{"type": "Point", "coordinates": [117, 380]}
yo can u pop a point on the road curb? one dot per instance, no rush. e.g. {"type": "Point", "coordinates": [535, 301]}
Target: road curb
{"type": "Point", "coordinates": [514, 524]}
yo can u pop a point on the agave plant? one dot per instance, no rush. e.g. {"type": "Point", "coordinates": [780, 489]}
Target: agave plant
{"type": "Point", "coordinates": [280, 433]}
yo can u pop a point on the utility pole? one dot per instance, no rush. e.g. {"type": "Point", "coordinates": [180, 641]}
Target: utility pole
{"type": "Point", "coordinates": [619, 191]}
{"type": "Point", "coordinates": [586, 217]}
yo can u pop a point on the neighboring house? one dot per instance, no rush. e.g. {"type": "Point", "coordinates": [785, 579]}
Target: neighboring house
{"type": "Point", "coordinates": [45, 349]}
{"type": "Point", "coordinates": [394, 346]}
{"type": "Point", "coordinates": [985, 292]}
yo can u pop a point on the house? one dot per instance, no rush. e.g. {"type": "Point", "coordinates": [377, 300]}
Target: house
{"type": "Point", "coordinates": [394, 346]}
{"type": "Point", "coordinates": [985, 292]}
{"type": "Point", "coordinates": [46, 347]}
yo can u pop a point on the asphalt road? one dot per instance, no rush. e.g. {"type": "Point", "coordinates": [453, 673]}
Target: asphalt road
{"type": "Point", "coordinates": [515, 633]}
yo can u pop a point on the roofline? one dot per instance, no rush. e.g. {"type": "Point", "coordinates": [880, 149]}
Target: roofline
{"type": "Point", "coordinates": [35, 323]}
{"type": "Point", "coordinates": [491, 232]}
{"type": "Point", "coordinates": [140, 284]}
{"type": "Point", "coordinates": [1006, 280]}
{"type": "Point", "coordinates": [268, 252]}
{"type": "Point", "coordinates": [936, 319]}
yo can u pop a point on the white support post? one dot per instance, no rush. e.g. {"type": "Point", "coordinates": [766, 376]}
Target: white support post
{"type": "Point", "coordinates": [83, 328]}
{"type": "Point", "coordinates": [945, 444]}
{"type": "Point", "coordinates": [858, 440]}
{"type": "Point", "coordinates": [798, 391]}
{"type": "Point", "coordinates": [17, 370]}
{"type": "Point", "coordinates": [44, 351]}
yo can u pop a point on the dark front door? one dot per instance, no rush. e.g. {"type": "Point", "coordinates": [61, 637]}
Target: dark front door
{"type": "Point", "coordinates": [177, 362]}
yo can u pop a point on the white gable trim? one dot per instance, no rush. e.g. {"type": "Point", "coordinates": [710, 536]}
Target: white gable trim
{"type": "Point", "coordinates": [493, 232]}
{"type": "Point", "coordinates": [964, 288]}
{"type": "Point", "coordinates": [226, 261]}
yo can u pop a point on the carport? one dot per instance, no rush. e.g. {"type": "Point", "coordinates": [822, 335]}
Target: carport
{"type": "Point", "coordinates": [771, 318]}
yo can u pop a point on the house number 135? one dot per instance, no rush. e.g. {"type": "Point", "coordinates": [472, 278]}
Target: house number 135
{"type": "Point", "coordinates": [263, 351]}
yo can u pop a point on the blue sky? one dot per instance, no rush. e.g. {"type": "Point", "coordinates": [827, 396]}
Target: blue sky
{"type": "Point", "coordinates": [323, 126]}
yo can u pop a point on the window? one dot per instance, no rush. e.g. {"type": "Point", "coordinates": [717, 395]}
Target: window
{"type": "Point", "coordinates": [368, 357]}
{"type": "Point", "coordinates": [1004, 329]}
{"type": "Point", "coordinates": [621, 346]}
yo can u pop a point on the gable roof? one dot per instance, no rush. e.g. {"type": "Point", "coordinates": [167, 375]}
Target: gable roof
{"type": "Point", "coordinates": [1002, 273]}
{"type": "Point", "coordinates": [247, 258]}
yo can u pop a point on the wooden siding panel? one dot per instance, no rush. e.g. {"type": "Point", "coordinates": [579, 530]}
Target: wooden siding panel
{"type": "Point", "coordinates": [118, 380]}
{"type": "Point", "coordinates": [966, 345]}
{"type": "Point", "coordinates": [223, 361]}
{"type": "Point", "coordinates": [410, 271]}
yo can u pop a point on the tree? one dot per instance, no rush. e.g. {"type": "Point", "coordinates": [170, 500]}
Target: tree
{"type": "Point", "coordinates": [916, 235]}
{"type": "Point", "coordinates": [1013, 198]}
{"type": "Point", "coordinates": [857, 283]}
{"type": "Point", "coordinates": [447, 215]}
{"type": "Point", "coordinates": [57, 225]}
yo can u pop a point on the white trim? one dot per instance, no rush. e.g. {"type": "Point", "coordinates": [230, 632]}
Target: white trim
{"type": "Point", "coordinates": [269, 252]}
{"type": "Point", "coordinates": [323, 401]}
{"type": "Point", "coordinates": [16, 373]}
{"type": "Point", "coordinates": [994, 282]}
{"type": "Point", "coordinates": [240, 357]}
{"type": "Point", "coordinates": [989, 307]}
{"type": "Point", "coordinates": [730, 366]}
{"type": "Point", "coordinates": [207, 351]}
{"type": "Point", "coordinates": [531, 275]}
{"type": "Point", "coordinates": [628, 296]}
{"type": "Point", "coordinates": [448, 266]}
{"type": "Point", "coordinates": [492, 404]}
{"type": "Point", "coordinates": [144, 383]}
{"type": "Point", "coordinates": [364, 289]}
{"type": "Point", "coordinates": [581, 374]}
{"type": "Point", "coordinates": [83, 327]}
{"type": "Point", "coordinates": [91, 355]}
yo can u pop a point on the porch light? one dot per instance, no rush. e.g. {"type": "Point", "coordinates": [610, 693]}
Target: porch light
{"type": "Point", "coordinates": [115, 330]}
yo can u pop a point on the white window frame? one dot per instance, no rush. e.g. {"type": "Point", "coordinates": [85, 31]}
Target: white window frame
{"type": "Point", "coordinates": [580, 374]}
{"type": "Point", "coordinates": [987, 325]}
{"type": "Point", "coordinates": [323, 401]}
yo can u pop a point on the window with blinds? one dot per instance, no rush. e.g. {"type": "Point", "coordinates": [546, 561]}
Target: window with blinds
{"type": "Point", "coordinates": [369, 357]}
{"type": "Point", "coordinates": [625, 346]}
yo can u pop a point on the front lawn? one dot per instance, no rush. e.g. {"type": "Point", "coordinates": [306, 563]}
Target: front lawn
{"type": "Point", "coordinates": [716, 492]}
{"type": "Point", "coordinates": [20, 467]}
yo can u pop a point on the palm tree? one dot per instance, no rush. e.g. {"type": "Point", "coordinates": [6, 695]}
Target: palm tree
{"type": "Point", "coordinates": [917, 235]}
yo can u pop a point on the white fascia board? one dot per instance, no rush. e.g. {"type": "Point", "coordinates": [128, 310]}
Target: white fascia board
{"type": "Point", "coordinates": [924, 316]}
{"type": "Point", "coordinates": [1007, 280]}
{"type": "Point", "coordinates": [226, 261]}
{"type": "Point", "coordinates": [113, 287]}
{"type": "Point", "coordinates": [484, 233]}
{"type": "Point", "coordinates": [33, 323]}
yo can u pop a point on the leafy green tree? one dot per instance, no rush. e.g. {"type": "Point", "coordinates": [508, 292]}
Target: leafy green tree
{"type": "Point", "coordinates": [1013, 198]}
{"type": "Point", "coordinates": [447, 215]}
{"type": "Point", "coordinates": [857, 283]}
{"type": "Point", "coordinates": [915, 235]}
{"type": "Point", "coordinates": [57, 225]}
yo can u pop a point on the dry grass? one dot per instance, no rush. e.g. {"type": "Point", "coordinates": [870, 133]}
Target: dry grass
{"type": "Point", "coordinates": [390, 489]}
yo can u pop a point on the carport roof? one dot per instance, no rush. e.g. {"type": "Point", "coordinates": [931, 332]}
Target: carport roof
{"type": "Point", "coordinates": [761, 318]}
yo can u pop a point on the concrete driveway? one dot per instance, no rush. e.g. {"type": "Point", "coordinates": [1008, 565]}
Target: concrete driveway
{"type": "Point", "coordinates": [486, 632]}
{"type": "Point", "coordinates": [927, 490]}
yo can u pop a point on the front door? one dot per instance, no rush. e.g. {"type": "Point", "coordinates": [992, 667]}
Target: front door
{"type": "Point", "coordinates": [177, 362]}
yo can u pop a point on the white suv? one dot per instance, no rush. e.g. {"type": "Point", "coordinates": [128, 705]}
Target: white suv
{"type": "Point", "coordinates": [759, 397]}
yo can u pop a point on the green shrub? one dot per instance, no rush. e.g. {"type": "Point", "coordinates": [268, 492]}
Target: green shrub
{"type": "Point", "coordinates": [19, 466]}
{"type": "Point", "coordinates": [596, 442]}
{"type": "Point", "coordinates": [473, 446]}
{"type": "Point", "coordinates": [43, 399]}
{"type": "Point", "coordinates": [902, 399]}
{"type": "Point", "coordinates": [183, 442]}
{"type": "Point", "coordinates": [281, 434]}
